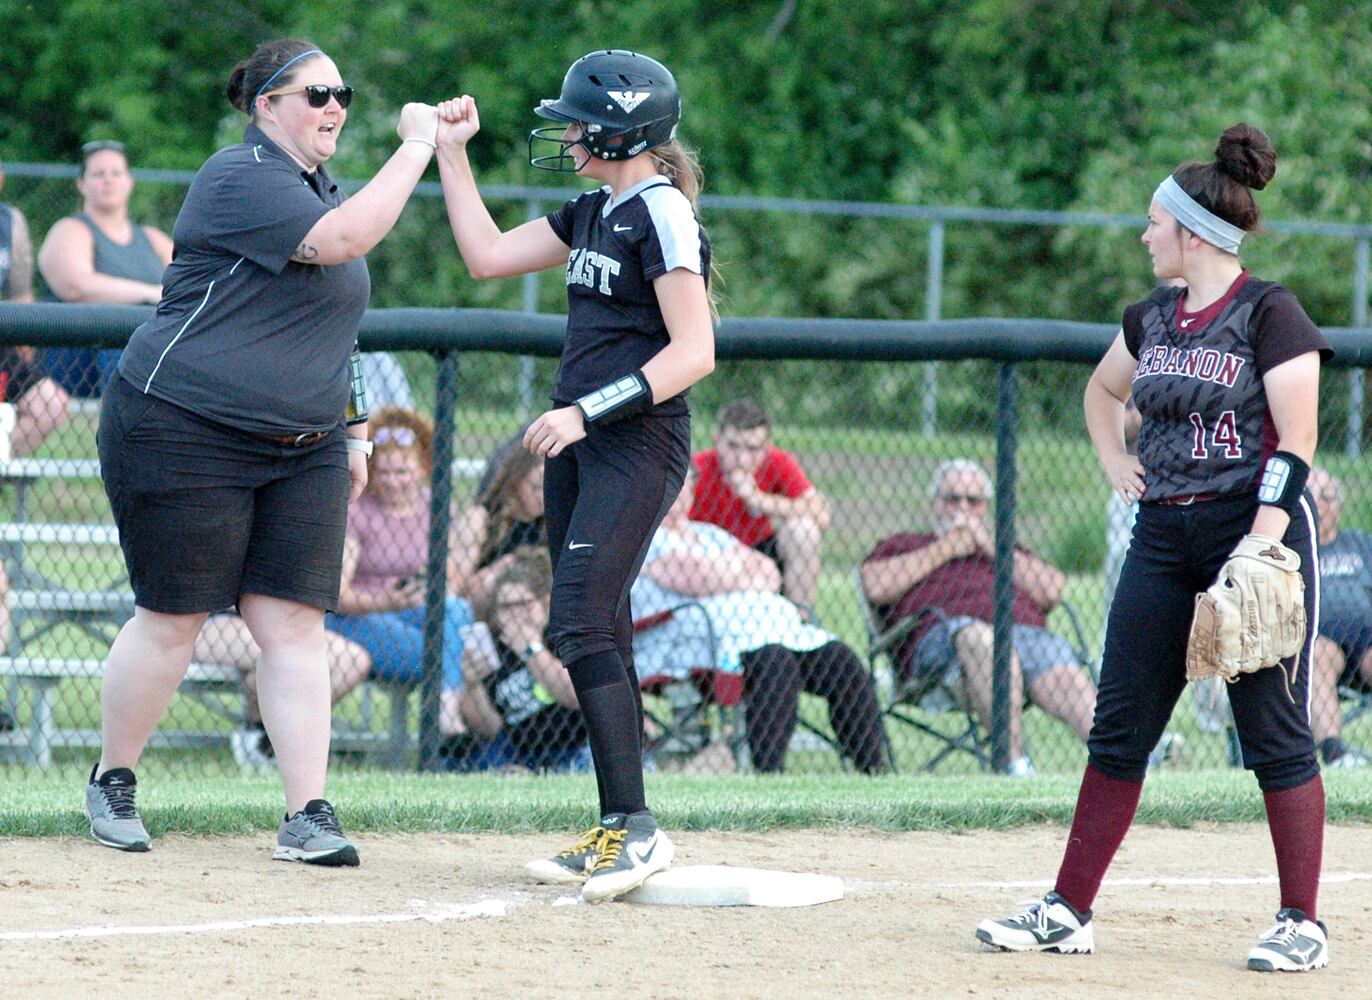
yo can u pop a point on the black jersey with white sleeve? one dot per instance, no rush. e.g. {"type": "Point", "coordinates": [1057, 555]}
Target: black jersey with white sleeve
{"type": "Point", "coordinates": [618, 247]}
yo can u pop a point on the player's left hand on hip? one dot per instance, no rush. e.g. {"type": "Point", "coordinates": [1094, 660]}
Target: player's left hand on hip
{"type": "Point", "coordinates": [555, 430]}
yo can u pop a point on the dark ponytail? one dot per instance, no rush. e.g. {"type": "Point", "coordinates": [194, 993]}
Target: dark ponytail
{"type": "Point", "coordinates": [249, 76]}
{"type": "Point", "coordinates": [1244, 162]}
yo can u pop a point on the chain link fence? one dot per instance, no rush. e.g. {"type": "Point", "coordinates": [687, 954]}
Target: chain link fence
{"type": "Point", "coordinates": [798, 647]}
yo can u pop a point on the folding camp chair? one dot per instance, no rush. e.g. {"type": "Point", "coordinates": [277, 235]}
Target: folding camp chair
{"type": "Point", "coordinates": [703, 704]}
{"type": "Point", "coordinates": [923, 702]}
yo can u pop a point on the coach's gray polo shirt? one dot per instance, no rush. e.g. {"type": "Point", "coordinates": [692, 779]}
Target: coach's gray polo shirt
{"type": "Point", "coordinates": [244, 335]}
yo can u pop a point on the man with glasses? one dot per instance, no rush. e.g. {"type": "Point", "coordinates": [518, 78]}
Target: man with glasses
{"type": "Point", "coordinates": [952, 570]}
{"type": "Point", "coordinates": [1343, 648]}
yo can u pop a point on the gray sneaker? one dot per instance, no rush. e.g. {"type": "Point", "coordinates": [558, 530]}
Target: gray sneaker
{"type": "Point", "coordinates": [631, 850]}
{"type": "Point", "coordinates": [313, 836]}
{"type": "Point", "coordinates": [114, 818]}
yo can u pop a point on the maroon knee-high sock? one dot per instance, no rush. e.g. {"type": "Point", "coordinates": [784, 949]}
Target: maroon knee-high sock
{"type": "Point", "coordinates": [1105, 808]}
{"type": "Point", "coordinates": [1295, 817]}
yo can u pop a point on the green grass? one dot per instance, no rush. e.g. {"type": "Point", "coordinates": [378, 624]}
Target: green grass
{"type": "Point", "coordinates": [377, 802]}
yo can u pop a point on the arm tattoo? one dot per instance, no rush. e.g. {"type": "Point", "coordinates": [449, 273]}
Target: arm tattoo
{"type": "Point", "coordinates": [305, 253]}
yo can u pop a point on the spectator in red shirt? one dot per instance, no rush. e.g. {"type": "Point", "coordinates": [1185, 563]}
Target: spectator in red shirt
{"type": "Point", "coordinates": [760, 495]}
{"type": "Point", "coordinates": [953, 569]}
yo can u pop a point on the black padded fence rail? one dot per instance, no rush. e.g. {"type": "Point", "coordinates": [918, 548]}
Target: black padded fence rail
{"type": "Point", "coordinates": [994, 339]}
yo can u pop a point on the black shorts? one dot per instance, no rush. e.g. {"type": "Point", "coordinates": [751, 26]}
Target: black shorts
{"type": "Point", "coordinates": [207, 513]}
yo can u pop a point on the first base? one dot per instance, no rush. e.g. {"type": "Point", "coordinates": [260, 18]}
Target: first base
{"type": "Point", "coordinates": [724, 885]}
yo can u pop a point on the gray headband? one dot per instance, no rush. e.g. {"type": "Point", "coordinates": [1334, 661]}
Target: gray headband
{"type": "Point", "coordinates": [1201, 221]}
{"type": "Point", "coordinates": [272, 79]}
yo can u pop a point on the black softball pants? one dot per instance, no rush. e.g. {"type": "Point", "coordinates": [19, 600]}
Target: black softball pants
{"type": "Point", "coordinates": [604, 497]}
{"type": "Point", "coordinates": [1175, 553]}
{"type": "Point", "coordinates": [774, 676]}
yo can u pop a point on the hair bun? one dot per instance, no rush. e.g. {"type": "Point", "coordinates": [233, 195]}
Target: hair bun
{"type": "Point", "coordinates": [238, 97]}
{"type": "Point", "coordinates": [1246, 154]}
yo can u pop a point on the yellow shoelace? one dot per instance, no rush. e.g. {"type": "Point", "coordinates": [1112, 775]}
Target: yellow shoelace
{"type": "Point", "coordinates": [609, 850]}
{"type": "Point", "coordinates": [590, 840]}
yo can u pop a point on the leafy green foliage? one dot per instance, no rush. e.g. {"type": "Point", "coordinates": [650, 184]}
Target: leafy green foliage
{"type": "Point", "coordinates": [1081, 105]}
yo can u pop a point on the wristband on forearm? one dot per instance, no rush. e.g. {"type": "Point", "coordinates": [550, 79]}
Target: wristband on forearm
{"type": "Point", "coordinates": [357, 399]}
{"type": "Point", "coordinates": [624, 397]}
{"type": "Point", "coordinates": [1283, 481]}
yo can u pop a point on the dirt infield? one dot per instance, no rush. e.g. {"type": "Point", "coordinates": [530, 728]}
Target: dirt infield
{"type": "Point", "coordinates": [430, 916]}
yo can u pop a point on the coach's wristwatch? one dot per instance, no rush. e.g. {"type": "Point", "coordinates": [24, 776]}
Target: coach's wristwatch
{"type": "Point", "coordinates": [357, 444]}
{"type": "Point", "coordinates": [532, 650]}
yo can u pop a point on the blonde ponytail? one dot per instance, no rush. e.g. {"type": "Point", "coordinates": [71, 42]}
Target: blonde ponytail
{"type": "Point", "coordinates": [680, 165]}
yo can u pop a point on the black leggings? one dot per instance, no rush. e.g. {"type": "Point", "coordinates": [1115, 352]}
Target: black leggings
{"type": "Point", "coordinates": [604, 497]}
{"type": "Point", "coordinates": [773, 678]}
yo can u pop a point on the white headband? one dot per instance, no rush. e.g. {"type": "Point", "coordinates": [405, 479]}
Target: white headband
{"type": "Point", "coordinates": [1200, 220]}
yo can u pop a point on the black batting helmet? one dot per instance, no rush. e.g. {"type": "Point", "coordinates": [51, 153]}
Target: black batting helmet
{"type": "Point", "coordinates": [624, 102]}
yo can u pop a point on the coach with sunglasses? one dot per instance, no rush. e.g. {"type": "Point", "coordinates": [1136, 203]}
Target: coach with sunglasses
{"type": "Point", "coordinates": [235, 433]}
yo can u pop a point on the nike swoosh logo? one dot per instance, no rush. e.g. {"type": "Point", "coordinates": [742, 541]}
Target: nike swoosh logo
{"type": "Point", "coordinates": [643, 852]}
{"type": "Point", "coordinates": [622, 229]}
{"type": "Point", "coordinates": [580, 545]}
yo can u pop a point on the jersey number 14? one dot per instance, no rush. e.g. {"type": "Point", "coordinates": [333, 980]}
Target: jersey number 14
{"type": "Point", "coordinates": [1225, 436]}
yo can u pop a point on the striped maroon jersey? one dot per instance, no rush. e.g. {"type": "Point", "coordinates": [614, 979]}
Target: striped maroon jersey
{"type": "Point", "coordinates": [1198, 384]}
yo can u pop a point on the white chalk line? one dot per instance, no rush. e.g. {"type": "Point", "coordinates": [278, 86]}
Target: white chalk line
{"type": "Point", "coordinates": [440, 914]}
{"type": "Point", "coordinates": [1329, 878]}
{"type": "Point", "coordinates": [499, 907]}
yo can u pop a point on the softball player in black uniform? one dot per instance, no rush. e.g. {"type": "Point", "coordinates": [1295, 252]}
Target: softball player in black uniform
{"type": "Point", "coordinates": [617, 440]}
{"type": "Point", "coordinates": [1225, 372]}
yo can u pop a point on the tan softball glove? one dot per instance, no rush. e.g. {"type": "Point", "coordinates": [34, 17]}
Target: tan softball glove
{"type": "Point", "coordinates": [1252, 617]}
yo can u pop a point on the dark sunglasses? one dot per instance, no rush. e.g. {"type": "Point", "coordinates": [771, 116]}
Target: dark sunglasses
{"type": "Point", "coordinates": [956, 498]}
{"type": "Point", "coordinates": [318, 94]}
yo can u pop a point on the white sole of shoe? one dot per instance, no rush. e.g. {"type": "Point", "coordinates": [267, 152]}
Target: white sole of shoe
{"type": "Point", "coordinates": [987, 938]}
{"type": "Point", "coordinates": [345, 857]}
{"type": "Point", "coordinates": [548, 873]}
{"type": "Point", "coordinates": [1279, 964]}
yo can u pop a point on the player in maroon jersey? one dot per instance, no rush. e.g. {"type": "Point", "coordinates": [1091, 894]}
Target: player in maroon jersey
{"type": "Point", "coordinates": [1225, 372]}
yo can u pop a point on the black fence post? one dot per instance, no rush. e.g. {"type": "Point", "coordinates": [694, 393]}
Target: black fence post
{"type": "Point", "coordinates": [1007, 431]}
{"type": "Point", "coordinates": [440, 522]}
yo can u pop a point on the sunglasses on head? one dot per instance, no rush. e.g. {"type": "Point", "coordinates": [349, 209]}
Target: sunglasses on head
{"type": "Point", "coordinates": [100, 145]}
{"type": "Point", "coordinates": [318, 94]}
{"type": "Point", "coordinates": [402, 436]}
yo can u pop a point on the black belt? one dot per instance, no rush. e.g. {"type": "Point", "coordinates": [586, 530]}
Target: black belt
{"type": "Point", "coordinates": [1188, 500]}
{"type": "Point", "coordinates": [295, 440]}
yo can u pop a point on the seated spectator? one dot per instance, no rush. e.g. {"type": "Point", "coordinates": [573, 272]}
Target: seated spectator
{"type": "Point", "coordinates": [953, 569]}
{"type": "Point", "coordinates": [507, 515]}
{"type": "Point", "coordinates": [386, 559]}
{"type": "Point", "coordinates": [756, 631]}
{"type": "Point", "coordinates": [760, 495]}
{"type": "Point", "coordinates": [100, 255]}
{"type": "Point", "coordinates": [1343, 648]}
{"type": "Point", "coordinates": [225, 638]}
{"type": "Point", "coordinates": [518, 694]}
{"type": "Point", "coordinates": [40, 404]}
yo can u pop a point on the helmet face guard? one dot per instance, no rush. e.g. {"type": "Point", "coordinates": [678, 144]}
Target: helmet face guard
{"type": "Point", "coordinates": [625, 104]}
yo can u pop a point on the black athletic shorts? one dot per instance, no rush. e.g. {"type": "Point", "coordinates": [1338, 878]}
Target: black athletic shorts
{"type": "Point", "coordinates": [206, 512]}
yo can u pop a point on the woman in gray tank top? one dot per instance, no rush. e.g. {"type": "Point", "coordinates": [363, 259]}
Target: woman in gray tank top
{"type": "Point", "coordinates": [100, 255]}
